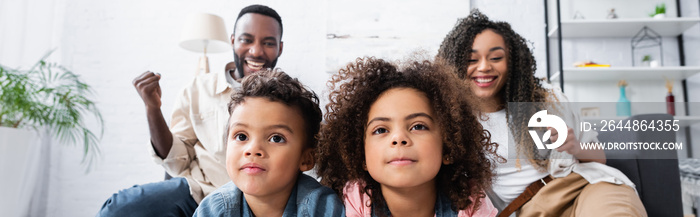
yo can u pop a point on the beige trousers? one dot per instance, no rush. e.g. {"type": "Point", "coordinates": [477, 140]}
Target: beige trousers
{"type": "Point", "coordinates": [574, 196]}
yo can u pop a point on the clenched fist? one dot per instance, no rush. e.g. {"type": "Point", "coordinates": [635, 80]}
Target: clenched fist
{"type": "Point", "coordinates": [149, 89]}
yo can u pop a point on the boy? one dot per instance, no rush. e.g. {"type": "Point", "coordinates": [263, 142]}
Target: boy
{"type": "Point", "coordinates": [270, 140]}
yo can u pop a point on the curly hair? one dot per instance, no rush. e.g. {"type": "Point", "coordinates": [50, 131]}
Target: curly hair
{"type": "Point", "coordinates": [356, 87]}
{"type": "Point", "coordinates": [521, 84]}
{"type": "Point", "coordinates": [277, 86]}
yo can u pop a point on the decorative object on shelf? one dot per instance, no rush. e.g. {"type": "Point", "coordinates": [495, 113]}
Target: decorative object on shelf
{"type": "Point", "coordinates": [578, 16]}
{"type": "Point", "coordinates": [624, 107]}
{"type": "Point", "coordinates": [649, 62]}
{"type": "Point", "coordinates": [646, 60]}
{"type": "Point", "coordinates": [659, 11]}
{"type": "Point", "coordinates": [670, 100]}
{"type": "Point", "coordinates": [590, 112]}
{"type": "Point", "coordinates": [611, 14]}
{"type": "Point", "coordinates": [646, 38]}
{"type": "Point", "coordinates": [204, 33]}
{"type": "Point", "coordinates": [590, 63]}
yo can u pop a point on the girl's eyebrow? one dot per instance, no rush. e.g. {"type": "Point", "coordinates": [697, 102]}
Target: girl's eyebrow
{"type": "Point", "coordinates": [409, 117]}
{"type": "Point", "coordinates": [492, 49]}
{"type": "Point", "coordinates": [378, 119]}
{"type": "Point", "coordinates": [419, 114]}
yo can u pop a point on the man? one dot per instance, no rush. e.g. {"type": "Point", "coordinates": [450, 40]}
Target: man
{"type": "Point", "coordinates": [193, 149]}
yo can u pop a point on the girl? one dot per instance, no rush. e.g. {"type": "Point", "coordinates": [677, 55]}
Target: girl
{"type": "Point", "coordinates": [403, 141]}
{"type": "Point", "coordinates": [498, 68]}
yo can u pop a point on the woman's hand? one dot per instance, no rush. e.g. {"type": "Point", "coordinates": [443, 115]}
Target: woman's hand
{"type": "Point", "coordinates": [572, 146]}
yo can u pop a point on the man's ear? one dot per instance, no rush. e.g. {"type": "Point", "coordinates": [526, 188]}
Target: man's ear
{"type": "Point", "coordinates": [233, 39]}
{"type": "Point", "coordinates": [281, 45]}
{"type": "Point", "coordinates": [307, 160]}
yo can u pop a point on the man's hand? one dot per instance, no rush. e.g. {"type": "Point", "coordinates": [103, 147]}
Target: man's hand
{"type": "Point", "coordinates": [148, 88]}
{"type": "Point", "coordinates": [572, 146]}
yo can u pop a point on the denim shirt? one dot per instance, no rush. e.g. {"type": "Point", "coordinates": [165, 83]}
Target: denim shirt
{"type": "Point", "coordinates": [443, 208]}
{"type": "Point", "coordinates": [308, 198]}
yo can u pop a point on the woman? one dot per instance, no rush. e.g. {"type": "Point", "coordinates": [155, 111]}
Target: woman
{"type": "Point", "coordinates": [499, 69]}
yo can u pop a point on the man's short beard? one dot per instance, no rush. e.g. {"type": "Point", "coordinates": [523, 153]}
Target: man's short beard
{"type": "Point", "coordinates": [239, 66]}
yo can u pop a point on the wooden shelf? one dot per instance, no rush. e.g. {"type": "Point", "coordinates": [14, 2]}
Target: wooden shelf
{"type": "Point", "coordinates": [684, 121]}
{"type": "Point", "coordinates": [672, 26]}
{"type": "Point", "coordinates": [627, 73]}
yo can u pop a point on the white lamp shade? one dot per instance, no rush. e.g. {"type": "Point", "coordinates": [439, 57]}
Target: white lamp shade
{"type": "Point", "coordinates": [205, 30]}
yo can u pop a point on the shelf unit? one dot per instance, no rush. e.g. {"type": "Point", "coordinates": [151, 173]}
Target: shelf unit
{"type": "Point", "coordinates": [628, 73]}
{"type": "Point", "coordinates": [616, 28]}
{"type": "Point", "coordinates": [626, 28]}
{"type": "Point", "coordinates": [619, 28]}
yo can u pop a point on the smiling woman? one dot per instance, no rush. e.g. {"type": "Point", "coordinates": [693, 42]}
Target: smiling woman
{"type": "Point", "coordinates": [499, 68]}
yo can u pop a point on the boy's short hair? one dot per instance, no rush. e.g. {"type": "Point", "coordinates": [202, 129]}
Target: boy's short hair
{"type": "Point", "coordinates": [277, 86]}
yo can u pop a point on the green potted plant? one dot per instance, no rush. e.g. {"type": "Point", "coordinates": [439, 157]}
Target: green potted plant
{"type": "Point", "coordinates": [659, 11]}
{"type": "Point", "coordinates": [45, 98]}
{"type": "Point", "coordinates": [646, 60]}
{"type": "Point", "coordinates": [50, 96]}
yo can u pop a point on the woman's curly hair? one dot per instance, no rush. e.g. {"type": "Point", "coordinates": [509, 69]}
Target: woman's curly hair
{"type": "Point", "coordinates": [521, 83]}
{"type": "Point", "coordinates": [356, 87]}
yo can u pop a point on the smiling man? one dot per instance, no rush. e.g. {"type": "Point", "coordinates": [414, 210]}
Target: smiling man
{"type": "Point", "coordinates": [257, 41]}
{"type": "Point", "coordinates": [192, 149]}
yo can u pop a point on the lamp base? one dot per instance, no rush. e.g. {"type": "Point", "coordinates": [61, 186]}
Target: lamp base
{"type": "Point", "coordinates": [203, 65]}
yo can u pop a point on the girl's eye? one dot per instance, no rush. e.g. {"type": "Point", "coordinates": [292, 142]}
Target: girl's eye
{"type": "Point", "coordinates": [277, 139]}
{"type": "Point", "coordinates": [379, 131]}
{"type": "Point", "coordinates": [472, 61]}
{"type": "Point", "coordinates": [496, 58]}
{"type": "Point", "coordinates": [419, 127]}
{"type": "Point", "coordinates": [240, 137]}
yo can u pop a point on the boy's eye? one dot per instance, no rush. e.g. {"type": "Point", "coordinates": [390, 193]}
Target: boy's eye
{"type": "Point", "coordinates": [419, 127]}
{"type": "Point", "coordinates": [277, 139]}
{"type": "Point", "coordinates": [240, 137]}
{"type": "Point", "coordinates": [380, 131]}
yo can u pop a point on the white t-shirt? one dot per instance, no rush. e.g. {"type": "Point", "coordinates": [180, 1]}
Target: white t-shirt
{"type": "Point", "coordinates": [510, 181]}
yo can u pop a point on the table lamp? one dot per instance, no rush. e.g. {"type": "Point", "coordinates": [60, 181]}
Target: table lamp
{"type": "Point", "coordinates": [204, 33]}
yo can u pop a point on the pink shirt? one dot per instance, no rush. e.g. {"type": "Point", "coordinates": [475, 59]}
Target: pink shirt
{"type": "Point", "coordinates": [358, 205]}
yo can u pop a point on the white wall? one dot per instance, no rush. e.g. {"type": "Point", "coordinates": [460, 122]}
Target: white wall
{"type": "Point", "coordinates": [111, 42]}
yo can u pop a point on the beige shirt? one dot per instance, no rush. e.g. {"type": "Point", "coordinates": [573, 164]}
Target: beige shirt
{"type": "Point", "coordinates": [198, 124]}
